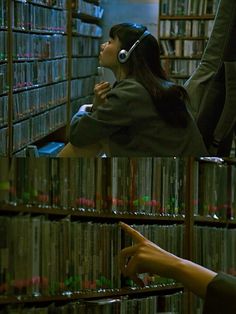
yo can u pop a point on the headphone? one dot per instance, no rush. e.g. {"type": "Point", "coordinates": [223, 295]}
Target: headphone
{"type": "Point", "coordinates": [124, 55]}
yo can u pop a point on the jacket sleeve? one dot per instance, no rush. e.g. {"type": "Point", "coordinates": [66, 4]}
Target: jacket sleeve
{"type": "Point", "coordinates": [221, 295]}
{"type": "Point", "coordinates": [106, 119]}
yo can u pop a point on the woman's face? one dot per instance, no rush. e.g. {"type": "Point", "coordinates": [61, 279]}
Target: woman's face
{"type": "Point", "coordinates": [108, 54]}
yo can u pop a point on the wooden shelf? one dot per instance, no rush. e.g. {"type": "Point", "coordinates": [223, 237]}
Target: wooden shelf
{"type": "Point", "coordinates": [172, 22]}
{"type": "Point", "coordinates": [15, 32]}
{"type": "Point", "coordinates": [187, 17]}
{"type": "Point", "coordinates": [177, 37]}
{"type": "Point", "coordinates": [167, 289]}
{"type": "Point", "coordinates": [86, 17]}
{"type": "Point", "coordinates": [180, 58]}
{"type": "Point", "coordinates": [200, 220]}
{"type": "Point", "coordinates": [91, 214]}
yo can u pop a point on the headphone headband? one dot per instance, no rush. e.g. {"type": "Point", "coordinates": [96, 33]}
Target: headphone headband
{"type": "Point", "coordinates": [123, 55]}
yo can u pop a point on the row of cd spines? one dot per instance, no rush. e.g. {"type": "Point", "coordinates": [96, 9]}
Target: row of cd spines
{"type": "Point", "coordinates": [145, 185]}
{"type": "Point", "coordinates": [188, 7]}
{"type": "Point", "coordinates": [51, 257]}
{"type": "Point", "coordinates": [38, 73]}
{"type": "Point", "coordinates": [180, 67]}
{"type": "Point", "coordinates": [33, 109]}
{"type": "Point", "coordinates": [183, 48]}
{"type": "Point", "coordinates": [83, 256]}
{"type": "Point", "coordinates": [42, 46]}
{"type": "Point", "coordinates": [91, 9]}
{"type": "Point", "coordinates": [158, 186]}
{"type": "Point", "coordinates": [27, 15]}
{"type": "Point", "coordinates": [34, 101]}
{"type": "Point", "coordinates": [214, 248]}
{"type": "Point", "coordinates": [169, 303]}
{"type": "Point", "coordinates": [185, 28]}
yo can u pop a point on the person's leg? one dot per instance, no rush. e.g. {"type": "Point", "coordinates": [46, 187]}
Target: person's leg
{"type": "Point", "coordinates": [210, 113]}
{"type": "Point", "coordinates": [72, 151]}
{"type": "Point", "coordinates": [224, 130]}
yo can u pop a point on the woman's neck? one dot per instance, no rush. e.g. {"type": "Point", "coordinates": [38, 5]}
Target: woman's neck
{"type": "Point", "coordinates": [120, 74]}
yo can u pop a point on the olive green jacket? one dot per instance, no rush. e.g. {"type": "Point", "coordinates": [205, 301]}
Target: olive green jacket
{"type": "Point", "coordinates": [130, 125]}
{"type": "Point", "coordinates": [221, 295]}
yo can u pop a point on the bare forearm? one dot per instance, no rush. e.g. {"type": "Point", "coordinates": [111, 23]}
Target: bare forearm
{"type": "Point", "coordinates": [149, 257]}
{"type": "Point", "coordinates": [193, 276]}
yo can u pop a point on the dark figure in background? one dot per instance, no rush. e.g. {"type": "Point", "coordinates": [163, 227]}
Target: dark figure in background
{"type": "Point", "coordinates": [143, 114]}
{"type": "Point", "coordinates": [212, 88]}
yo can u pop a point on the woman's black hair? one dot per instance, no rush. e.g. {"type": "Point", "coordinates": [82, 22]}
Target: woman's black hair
{"type": "Point", "coordinates": [144, 64]}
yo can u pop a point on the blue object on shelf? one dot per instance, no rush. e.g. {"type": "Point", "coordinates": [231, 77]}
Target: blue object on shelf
{"type": "Point", "coordinates": [50, 149]}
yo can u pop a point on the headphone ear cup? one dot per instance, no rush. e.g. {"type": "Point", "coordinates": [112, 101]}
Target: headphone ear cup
{"type": "Point", "coordinates": [123, 56]}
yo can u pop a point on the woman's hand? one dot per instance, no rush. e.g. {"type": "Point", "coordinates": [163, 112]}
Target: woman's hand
{"type": "Point", "coordinates": [145, 257]}
{"type": "Point", "coordinates": [100, 92]}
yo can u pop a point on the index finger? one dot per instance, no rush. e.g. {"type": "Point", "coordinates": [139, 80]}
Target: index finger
{"type": "Point", "coordinates": [132, 232]}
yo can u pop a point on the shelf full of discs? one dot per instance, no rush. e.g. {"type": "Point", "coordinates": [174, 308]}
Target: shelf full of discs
{"type": "Point", "coordinates": [188, 7]}
{"type": "Point", "coordinates": [35, 75]}
{"type": "Point", "coordinates": [84, 49]}
{"type": "Point", "coordinates": [90, 9]}
{"type": "Point", "coordinates": [47, 54]}
{"type": "Point", "coordinates": [37, 193]}
{"type": "Point", "coordinates": [151, 186]}
{"type": "Point", "coordinates": [184, 29]}
{"type": "Point", "coordinates": [86, 35]}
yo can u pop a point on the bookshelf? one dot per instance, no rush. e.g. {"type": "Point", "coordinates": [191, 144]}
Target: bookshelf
{"type": "Point", "coordinates": [37, 66]}
{"type": "Point", "coordinates": [77, 204]}
{"type": "Point", "coordinates": [45, 197]}
{"type": "Point", "coordinates": [86, 33]}
{"type": "Point", "coordinates": [184, 28]}
{"type": "Point", "coordinates": [213, 223]}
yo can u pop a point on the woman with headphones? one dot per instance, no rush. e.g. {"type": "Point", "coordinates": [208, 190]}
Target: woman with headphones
{"type": "Point", "coordinates": [143, 114]}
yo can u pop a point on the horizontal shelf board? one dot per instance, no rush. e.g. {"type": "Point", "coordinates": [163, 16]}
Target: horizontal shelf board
{"type": "Point", "coordinates": [177, 37]}
{"type": "Point", "coordinates": [26, 88]}
{"type": "Point", "coordinates": [96, 2]}
{"type": "Point", "coordinates": [25, 59]}
{"type": "Point", "coordinates": [181, 58]}
{"type": "Point", "coordinates": [86, 17]}
{"type": "Point", "coordinates": [217, 160]}
{"type": "Point", "coordinates": [231, 160]}
{"type": "Point", "coordinates": [36, 140]}
{"type": "Point", "coordinates": [82, 213]}
{"type": "Point", "coordinates": [3, 125]}
{"type": "Point", "coordinates": [214, 221]}
{"type": "Point", "coordinates": [5, 93]}
{"type": "Point", "coordinates": [43, 5]}
{"type": "Point", "coordinates": [76, 34]}
{"type": "Point", "coordinates": [35, 114]}
{"type": "Point", "coordinates": [39, 32]}
{"type": "Point", "coordinates": [187, 17]}
{"type": "Point", "coordinates": [92, 295]}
